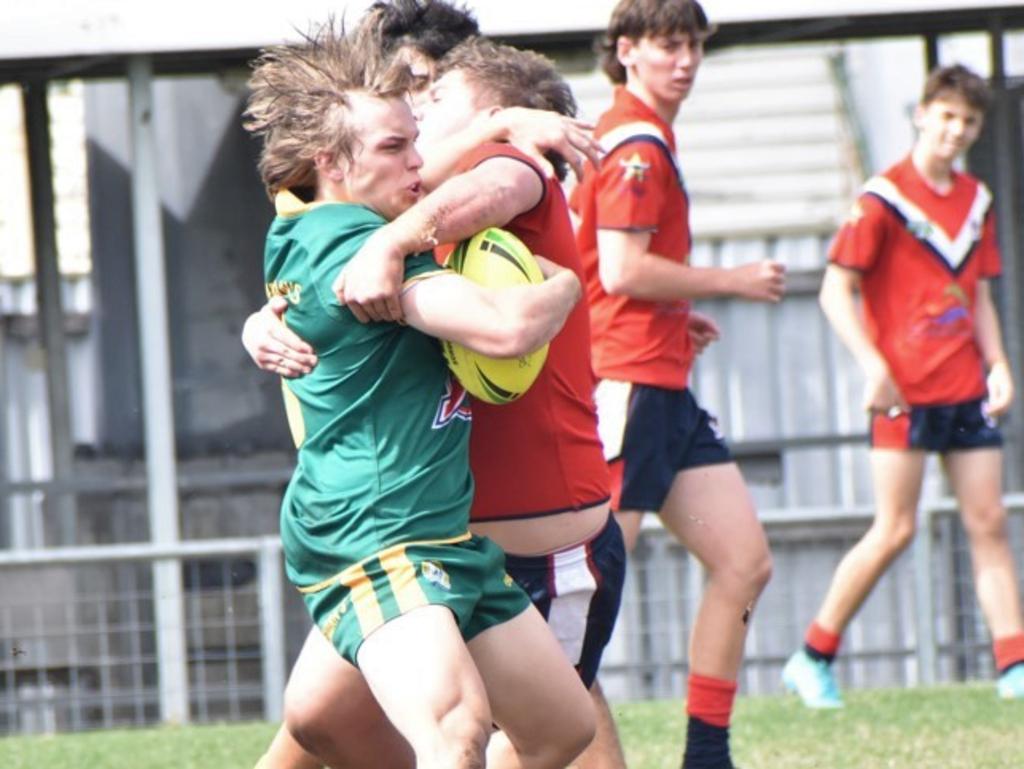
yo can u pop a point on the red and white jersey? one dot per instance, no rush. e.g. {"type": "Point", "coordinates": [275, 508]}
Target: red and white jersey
{"type": "Point", "coordinates": [922, 254]}
{"type": "Point", "coordinates": [540, 455]}
{"type": "Point", "coordinates": [638, 188]}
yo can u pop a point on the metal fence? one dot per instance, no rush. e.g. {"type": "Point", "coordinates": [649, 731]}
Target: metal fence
{"type": "Point", "coordinates": [86, 658]}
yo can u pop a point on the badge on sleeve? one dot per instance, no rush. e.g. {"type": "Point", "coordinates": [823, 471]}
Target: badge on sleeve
{"type": "Point", "coordinates": [634, 169]}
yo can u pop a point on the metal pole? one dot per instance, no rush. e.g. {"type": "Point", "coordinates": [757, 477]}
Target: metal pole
{"type": "Point", "coordinates": [49, 309]}
{"type": "Point", "coordinates": [931, 51]}
{"type": "Point", "coordinates": [924, 599]}
{"type": "Point", "coordinates": [272, 628]}
{"type": "Point", "coordinates": [1008, 218]}
{"type": "Point", "coordinates": [158, 405]}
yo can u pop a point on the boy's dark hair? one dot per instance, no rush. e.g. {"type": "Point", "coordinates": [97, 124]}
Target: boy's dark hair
{"type": "Point", "coordinates": [433, 27]}
{"type": "Point", "coordinates": [957, 80]}
{"type": "Point", "coordinates": [648, 18]}
{"type": "Point", "coordinates": [510, 77]}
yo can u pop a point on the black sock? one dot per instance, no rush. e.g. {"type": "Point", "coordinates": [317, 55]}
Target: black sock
{"type": "Point", "coordinates": [814, 654]}
{"type": "Point", "coordinates": [707, 746]}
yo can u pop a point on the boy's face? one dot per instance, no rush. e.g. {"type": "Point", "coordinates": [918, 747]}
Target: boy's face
{"type": "Point", "coordinates": [947, 126]}
{"type": "Point", "coordinates": [662, 66]}
{"type": "Point", "coordinates": [384, 173]}
{"type": "Point", "coordinates": [451, 103]}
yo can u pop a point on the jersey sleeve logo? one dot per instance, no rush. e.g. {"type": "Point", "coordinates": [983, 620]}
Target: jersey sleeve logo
{"type": "Point", "coordinates": [634, 169]}
{"type": "Point", "coordinates": [640, 132]}
{"type": "Point", "coordinates": [454, 404]}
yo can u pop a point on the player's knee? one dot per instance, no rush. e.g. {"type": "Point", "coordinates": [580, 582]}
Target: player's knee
{"type": "Point", "coordinates": [902, 536]}
{"type": "Point", "coordinates": [579, 740]}
{"type": "Point", "coordinates": [894, 536]}
{"type": "Point", "coordinates": [761, 572]}
{"type": "Point", "coordinates": [464, 732]}
{"type": "Point", "coordinates": [744, 575]}
{"type": "Point", "coordinates": [988, 521]}
{"type": "Point", "coordinates": [586, 729]}
{"type": "Point", "coordinates": [574, 736]}
{"type": "Point", "coordinates": [301, 719]}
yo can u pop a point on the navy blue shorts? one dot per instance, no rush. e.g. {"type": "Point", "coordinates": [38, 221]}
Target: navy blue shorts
{"type": "Point", "coordinates": [649, 435]}
{"type": "Point", "coordinates": [578, 591]}
{"type": "Point", "coordinates": [955, 427]}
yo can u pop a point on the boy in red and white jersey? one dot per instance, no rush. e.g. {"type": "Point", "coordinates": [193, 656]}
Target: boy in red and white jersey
{"type": "Point", "coordinates": [920, 248]}
{"type": "Point", "coordinates": [665, 451]}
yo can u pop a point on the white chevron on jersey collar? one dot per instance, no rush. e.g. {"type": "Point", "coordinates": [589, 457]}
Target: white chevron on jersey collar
{"type": "Point", "coordinates": [640, 130]}
{"type": "Point", "coordinates": [953, 251]}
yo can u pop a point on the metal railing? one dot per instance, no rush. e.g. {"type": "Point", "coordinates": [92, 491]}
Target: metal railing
{"type": "Point", "coordinates": [28, 661]}
{"type": "Point", "coordinates": [61, 669]}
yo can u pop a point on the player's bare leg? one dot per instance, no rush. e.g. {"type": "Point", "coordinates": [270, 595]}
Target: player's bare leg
{"type": "Point", "coordinates": [535, 695]}
{"type": "Point", "coordinates": [285, 752]}
{"type": "Point", "coordinates": [630, 521]}
{"type": "Point", "coordinates": [897, 477]}
{"type": "Point", "coordinates": [976, 477]}
{"type": "Point", "coordinates": [423, 676]}
{"type": "Point", "coordinates": [333, 715]}
{"type": "Point", "coordinates": [710, 512]}
{"type": "Point", "coordinates": [604, 751]}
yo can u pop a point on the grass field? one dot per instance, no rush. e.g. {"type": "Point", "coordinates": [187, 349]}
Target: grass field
{"type": "Point", "coordinates": [963, 727]}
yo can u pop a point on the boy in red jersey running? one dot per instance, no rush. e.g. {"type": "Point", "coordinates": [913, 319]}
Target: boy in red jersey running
{"type": "Point", "coordinates": [665, 451]}
{"type": "Point", "coordinates": [551, 513]}
{"type": "Point", "coordinates": [920, 248]}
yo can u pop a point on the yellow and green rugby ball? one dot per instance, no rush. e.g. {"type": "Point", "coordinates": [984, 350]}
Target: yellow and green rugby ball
{"type": "Point", "coordinates": [497, 259]}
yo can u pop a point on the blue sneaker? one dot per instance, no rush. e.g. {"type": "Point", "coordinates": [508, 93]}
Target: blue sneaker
{"type": "Point", "coordinates": [813, 680]}
{"type": "Point", "coordinates": [1011, 683]}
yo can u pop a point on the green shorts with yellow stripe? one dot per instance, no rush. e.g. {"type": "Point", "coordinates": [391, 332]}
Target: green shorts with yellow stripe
{"type": "Point", "coordinates": [466, 575]}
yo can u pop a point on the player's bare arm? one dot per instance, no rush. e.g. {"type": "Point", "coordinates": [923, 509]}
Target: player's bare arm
{"type": "Point", "coordinates": [532, 131]}
{"type": "Point", "coordinates": [490, 195]}
{"type": "Point", "coordinates": [501, 323]}
{"type": "Point", "coordinates": [990, 342]}
{"type": "Point", "coordinates": [838, 299]}
{"type": "Point", "coordinates": [627, 267]}
{"type": "Point", "coordinates": [272, 345]}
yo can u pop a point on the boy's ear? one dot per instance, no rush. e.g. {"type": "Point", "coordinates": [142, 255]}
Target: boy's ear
{"type": "Point", "coordinates": [918, 116]}
{"type": "Point", "coordinates": [624, 51]}
{"type": "Point", "coordinates": [327, 165]}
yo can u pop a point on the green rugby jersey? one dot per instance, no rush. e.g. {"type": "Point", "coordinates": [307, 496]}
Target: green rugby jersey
{"type": "Point", "coordinates": [381, 427]}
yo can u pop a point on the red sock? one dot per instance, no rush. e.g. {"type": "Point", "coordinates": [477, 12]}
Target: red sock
{"type": "Point", "coordinates": [824, 642]}
{"type": "Point", "coordinates": [710, 699]}
{"type": "Point", "coordinates": [1008, 650]}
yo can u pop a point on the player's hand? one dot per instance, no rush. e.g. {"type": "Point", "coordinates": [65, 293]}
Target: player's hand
{"type": "Point", "coordinates": [370, 284]}
{"type": "Point", "coordinates": [1000, 389]}
{"type": "Point", "coordinates": [882, 395]}
{"type": "Point", "coordinates": [763, 281]}
{"type": "Point", "coordinates": [548, 268]}
{"type": "Point", "coordinates": [551, 270]}
{"type": "Point", "coordinates": [536, 132]}
{"type": "Point", "coordinates": [272, 345]}
{"type": "Point", "coordinates": [703, 331]}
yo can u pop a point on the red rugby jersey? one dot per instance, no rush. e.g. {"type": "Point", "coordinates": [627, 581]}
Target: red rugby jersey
{"type": "Point", "coordinates": [922, 253]}
{"type": "Point", "coordinates": [540, 455]}
{"type": "Point", "coordinates": [637, 188]}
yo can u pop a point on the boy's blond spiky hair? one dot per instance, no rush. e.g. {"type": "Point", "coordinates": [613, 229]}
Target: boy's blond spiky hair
{"type": "Point", "coordinates": [299, 101]}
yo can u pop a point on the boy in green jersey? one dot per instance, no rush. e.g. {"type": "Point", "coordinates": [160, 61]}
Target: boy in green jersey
{"type": "Point", "coordinates": [374, 521]}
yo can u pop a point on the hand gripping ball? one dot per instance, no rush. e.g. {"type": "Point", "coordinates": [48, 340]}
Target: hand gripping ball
{"type": "Point", "coordinates": [497, 259]}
